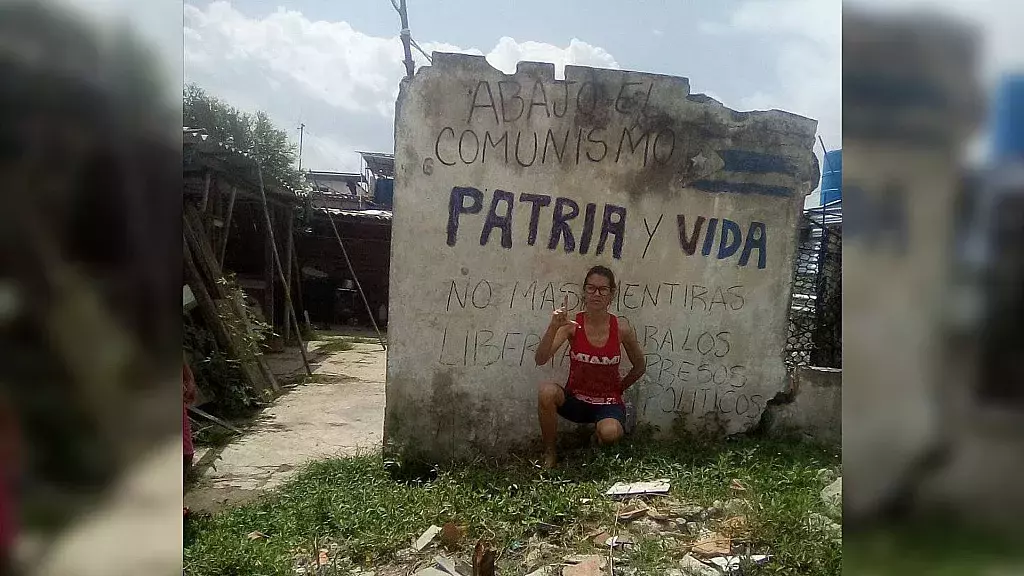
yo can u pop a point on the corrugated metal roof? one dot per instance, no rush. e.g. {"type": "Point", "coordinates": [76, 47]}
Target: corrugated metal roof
{"type": "Point", "coordinates": [203, 142]}
{"type": "Point", "coordinates": [380, 215]}
{"type": "Point", "coordinates": [379, 163]}
{"type": "Point", "coordinates": [338, 175]}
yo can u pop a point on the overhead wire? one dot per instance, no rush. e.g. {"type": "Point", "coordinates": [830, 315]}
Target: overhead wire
{"type": "Point", "coordinates": [408, 33]}
{"type": "Point", "coordinates": [417, 46]}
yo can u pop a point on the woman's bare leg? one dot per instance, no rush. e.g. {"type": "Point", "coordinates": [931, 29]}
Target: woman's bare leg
{"type": "Point", "coordinates": [608, 431]}
{"type": "Point", "coordinates": [549, 398]}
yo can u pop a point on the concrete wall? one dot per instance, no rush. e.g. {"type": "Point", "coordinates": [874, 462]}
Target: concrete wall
{"type": "Point", "coordinates": [812, 406]}
{"type": "Point", "coordinates": [509, 187]}
{"type": "Point", "coordinates": [901, 172]}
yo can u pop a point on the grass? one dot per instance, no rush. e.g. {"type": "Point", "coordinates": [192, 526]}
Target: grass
{"type": "Point", "coordinates": [213, 435]}
{"type": "Point", "coordinates": [934, 546]}
{"type": "Point", "coordinates": [356, 507]}
{"type": "Point", "coordinates": [338, 343]}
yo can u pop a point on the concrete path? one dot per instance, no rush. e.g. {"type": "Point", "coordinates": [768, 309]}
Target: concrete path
{"type": "Point", "coordinates": [340, 413]}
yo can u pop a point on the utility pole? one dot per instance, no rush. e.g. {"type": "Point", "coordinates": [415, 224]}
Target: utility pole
{"type": "Point", "coordinates": [403, 12]}
{"type": "Point", "coordinates": [302, 128]}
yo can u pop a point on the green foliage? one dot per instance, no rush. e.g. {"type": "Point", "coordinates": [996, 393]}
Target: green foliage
{"type": "Point", "coordinates": [336, 345]}
{"type": "Point", "coordinates": [218, 373]}
{"type": "Point", "coordinates": [254, 134]}
{"type": "Point", "coordinates": [253, 331]}
{"type": "Point", "coordinates": [357, 508]}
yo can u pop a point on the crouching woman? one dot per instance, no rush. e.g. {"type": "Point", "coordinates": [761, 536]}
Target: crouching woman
{"type": "Point", "coordinates": [593, 392]}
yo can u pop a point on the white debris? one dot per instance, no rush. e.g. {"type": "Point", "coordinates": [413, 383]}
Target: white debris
{"type": "Point", "coordinates": [832, 496]}
{"type": "Point", "coordinates": [731, 564]}
{"type": "Point", "coordinates": [427, 537]}
{"type": "Point", "coordinates": [693, 567]}
{"type": "Point", "coordinates": [636, 488]}
{"type": "Point", "coordinates": [431, 571]}
{"type": "Point", "coordinates": [822, 523]}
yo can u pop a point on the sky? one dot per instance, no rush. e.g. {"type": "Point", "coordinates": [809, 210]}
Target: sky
{"type": "Point", "coordinates": [335, 65]}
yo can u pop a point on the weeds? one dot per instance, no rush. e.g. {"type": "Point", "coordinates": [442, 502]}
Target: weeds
{"type": "Point", "coordinates": [367, 515]}
{"type": "Point", "coordinates": [336, 345]}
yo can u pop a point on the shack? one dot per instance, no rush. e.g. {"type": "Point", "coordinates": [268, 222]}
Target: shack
{"type": "Point", "coordinates": [222, 186]}
{"type": "Point", "coordinates": [234, 264]}
{"type": "Point", "coordinates": [355, 207]}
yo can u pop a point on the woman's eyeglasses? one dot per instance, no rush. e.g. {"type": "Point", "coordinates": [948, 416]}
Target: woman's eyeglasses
{"type": "Point", "coordinates": [602, 290]}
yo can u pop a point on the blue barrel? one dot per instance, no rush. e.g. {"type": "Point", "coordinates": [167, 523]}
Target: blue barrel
{"type": "Point", "coordinates": [384, 193]}
{"type": "Point", "coordinates": [1008, 118]}
{"type": "Point", "coordinates": [832, 177]}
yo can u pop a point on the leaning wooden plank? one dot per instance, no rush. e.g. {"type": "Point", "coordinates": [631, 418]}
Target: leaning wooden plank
{"type": "Point", "coordinates": [214, 320]}
{"type": "Point", "coordinates": [206, 189]}
{"type": "Point", "coordinates": [214, 198]}
{"type": "Point", "coordinates": [211, 267]}
{"type": "Point", "coordinates": [298, 286]}
{"type": "Point", "coordinates": [227, 226]}
{"type": "Point", "coordinates": [239, 310]}
{"type": "Point", "coordinates": [289, 309]}
{"type": "Point", "coordinates": [214, 419]}
{"type": "Point", "coordinates": [207, 307]}
{"type": "Point", "coordinates": [250, 358]}
{"type": "Point", "coordinates": [288, 271]}
{"type": "Point", "coordinates": [267, 374]}
{"type": "Point", "coordinates": [202, 252]}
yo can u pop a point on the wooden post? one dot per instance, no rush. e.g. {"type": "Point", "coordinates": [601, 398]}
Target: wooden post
{"type": "Point", "coordinates": [373, 319]}
{"type": "Point", "coordinates": [403, 13]}
{"type": "Point", "coordinates": [227, 226]}
{"type": "Point", "coordinates": [206, 191]}
{"type": "Point", "coordinates": [194, 236]}
{"type": "Point", "coordinates": [290, 218]}
{"type": "Point", "coordinates": [298, 284]}
{"type": "Point", "coordinates": [209, 207]}
{"type": "Point", "coordinates": [268, 271]}
{"type": "Point", "coordinates": [289, 309]}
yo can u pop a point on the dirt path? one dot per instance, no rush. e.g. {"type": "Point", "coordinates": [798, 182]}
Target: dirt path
{"type": "Point", "coordinates": [340, 413]}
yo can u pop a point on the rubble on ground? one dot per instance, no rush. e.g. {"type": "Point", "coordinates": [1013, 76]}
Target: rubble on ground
{"type": "Point", "coordinates": [705, 540]}
{"type": "Point", "coordinates": [832, 496]}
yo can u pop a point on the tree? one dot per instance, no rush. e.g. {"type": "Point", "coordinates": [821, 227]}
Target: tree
{"type": "Point", "coordinates": [254, 134]}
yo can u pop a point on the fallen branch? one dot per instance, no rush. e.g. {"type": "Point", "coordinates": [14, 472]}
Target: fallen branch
{"type": "Point", "coordinates": [214, 419]}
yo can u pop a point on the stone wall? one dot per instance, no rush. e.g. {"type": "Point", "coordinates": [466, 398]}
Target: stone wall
{"type": "Point", "coordinates": [812, 406]}
{"type": "Point", "coordinates": [509, 187]}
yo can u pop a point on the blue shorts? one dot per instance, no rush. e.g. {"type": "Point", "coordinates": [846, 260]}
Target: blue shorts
{"type": "Point", "coordinates": [580, 412]}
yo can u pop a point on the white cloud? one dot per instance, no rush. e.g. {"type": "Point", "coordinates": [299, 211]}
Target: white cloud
{"type": "Point", "coordinates": [508, 53]}
{"type": "Point", "coordinates": [807, 35]}
{"type": "Point", "coordinates": [329, 61]}
{"type": "Point", "coordinates": [341, 82]}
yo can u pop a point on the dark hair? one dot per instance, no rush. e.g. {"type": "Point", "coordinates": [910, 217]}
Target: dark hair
{"type": "Point", "coordinates": [601, 271]}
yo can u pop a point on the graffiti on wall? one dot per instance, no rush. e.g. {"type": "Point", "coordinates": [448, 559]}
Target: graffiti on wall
{"type": "Point", "coordinates": [719, 238]}
{"type": "Point", "coordinates": [694, 327]}
{"type": "Point", "coordinates": [495, 108]}
{"type": "Point", "coordinates": [692, 366]}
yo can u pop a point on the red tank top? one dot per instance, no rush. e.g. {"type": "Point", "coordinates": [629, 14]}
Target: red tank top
{"type": "Point", "coordinates": [594, 371]}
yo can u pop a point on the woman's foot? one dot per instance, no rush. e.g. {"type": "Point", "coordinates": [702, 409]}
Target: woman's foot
{"type": "Point", "coordinates": [550, 459]}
